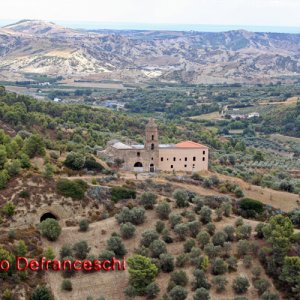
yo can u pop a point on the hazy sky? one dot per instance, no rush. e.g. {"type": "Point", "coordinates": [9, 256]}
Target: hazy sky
{"type": "Point", "coordinates": [223, 12]}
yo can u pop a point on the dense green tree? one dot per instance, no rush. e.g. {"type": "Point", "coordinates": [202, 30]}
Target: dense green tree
{"type": "Point", "coordinates": [50, 229]}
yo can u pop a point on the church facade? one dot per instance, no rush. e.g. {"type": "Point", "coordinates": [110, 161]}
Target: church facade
{"type": "Point", "coordinates": [151, 157]}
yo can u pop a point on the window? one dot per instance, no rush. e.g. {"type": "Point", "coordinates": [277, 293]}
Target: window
{"type": "Point", "coordinates": [138, 154]}
{"type": "Point", "coordinates": [167, 159]}
{"type": "Point", "coordinates": [185, 159]}
{"type": "Point", "coordinates": [180, 159]}
{"type": "Point", "coordinates": [152, 137]}
{"type": "Point", "coordinates": [203, 158]}
{"type": "Point", "coordinates": [171, 166]}
{"type": "Point", "coordinates": [185, 166]}
{"type": "Point", "coordinates": [193, 165]}
{"type": "Point", "coordinates": [151, 158]}
{"type": "Point", "coordinates": [174, 158]}
{"type": "Point", "coordinates": [194, 158]}
{"type": "Point", "coordinates": [152, 146]}
{"type": "Point", "coordinates": [161, 159]}
{"type": "Point", "coordinates": [204, 152]}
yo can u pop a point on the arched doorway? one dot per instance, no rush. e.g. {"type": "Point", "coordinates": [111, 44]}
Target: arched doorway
{"type": "Point", "coordinates": [152, 168]}
{"type": "Point", "coordinates": [138, 167]}
{"type": "Point", "coordinates": [47, 215]}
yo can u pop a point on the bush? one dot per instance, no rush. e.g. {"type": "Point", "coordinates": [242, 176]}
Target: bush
{"type": "Point", "coordinates": [81, 249]}
{"type": "Point", "coordinates": [181, 260]}
{"type": "Point", "coordinates": [135, 215]}
{"type": "Point", "coordinates": [203, 238]}
{"type": "Point", "coordinates": [41, 292]}
{"type": "Point", "coordinates": [230, 231]}
{"type": "Point", "coordinates": [148, 200]}
{"type": "Point", "coordinates": [220, 283]}
{"type": "Point", "coordinates": [232, 264]}
{"type": "Point", "coordinates": [66, 285]}
{"type": "Point", "coordinates": [157, 247]}
{"type": "Point", "coordinates": [166, 262]}
{"type": "Point", "coordinates": [116, 245]}
{"type": "Point", "coordinates": [4, 177]}
{"type": "Point", "coordinates": [92, 165]}
{"type": "Point", "coordinates": [178, 293]}
{"type": "Point", "coordinates": [50, 229]}
{"type": "Point", "coordinates": [163, 210]}
{"type": "Point", "coordinates": [243, 232]}
{"type": "Point", "coordinates": [174, 219]}
{"type": "Point", "coordinates": [181, 230]}
{"type": "Point", "coordinates": [219, 238]}
{"type": "Point", "coordinates": [65, 250]}
{"type": "Point", "coordinates": [106, 255]}
{"type": "Point", "coordinates": [141, 272]}
{"type": "Point", "coordinates": [84, 225]}
{"type": "Point", "coordinates": [74, 189]}
{"type": "Point", "coordinates": [269, 296]}
{"type": "Point", "coordinates": [75, 161]}
{"type": "Point", "coordinates": [211, 228]}
{"type": "Point", "coordinates": [181, 197]}
{"type": "Point", "coordinates": [200, 280]}
{"type": "Point", "coordinates": [34, 146]}
{"type": "Point", "coordinates": [205, 215]}
{"type": "Point", "coordinates": [201, 294]}
{"type": "Point", "coordinates": [240, 284]}
{"type": "Point", "coordinates": [250, 207]}
{"type": "Point", "coordinates": [179, 278]}
{"type": "Point", "coordinates": [219, 267]}
{"type": "Point", "coordinates": [159, 226]}
{"type": "Point", "coordinates": [242, 247]}
{"type": "Point", "coordinates": [152, 291]}
{"type": "Point", "coordinates": [261, 285]}
{"type": "Point", "coordinates": [127, 230]}
{"type": "Point", "coordinates": [188, 245]}
{"type": "Point", "coordinates": [9, 209]}
{"type": "Point", "coordinates": [120, 193]}
{"type": "Point", "coordinates": [148, 237]}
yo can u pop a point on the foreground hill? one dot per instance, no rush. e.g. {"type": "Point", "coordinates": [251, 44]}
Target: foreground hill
{"type": "Point", "coordinates": [192, 57]}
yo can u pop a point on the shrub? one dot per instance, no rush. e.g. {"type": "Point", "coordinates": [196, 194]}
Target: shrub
{"type": "Point", "coordinates": [9, 209]}
{"type": "Point", "coordinates": [188, 245]}
{"type": "Point", "coordinates": [219, 238]}
{"type": "Point", "coordinates": [178, 293]}
{"type": "Point", "coordinates": [84, 225]}
{"type": "Point", "coordinates": [141, 272]}
{"type": "Point", "coordinates": [261, 285]}
{"type": "Point", "coordinates": [92, 165]}
{"type": "Point", "coordinates": [148, 200]}
{"type": "Point", "coordinates": [181, 197]}
{"type": "Point", "coordinates": [179, 278]}
{"type": "Point", "coordinates": [152, 291]}
{"type": "Point", "coordinates": [21, 248]}
{"type": "Point", "coordinates": [219, 266]}
{"type": "Point", "coordinates": [119, 193]}
{"type": "Point", "coordinates": [74, 189]}
{"type": "Point", "coordinates": [41, 292]}
{"type": "Point", "coordinates": [163, 210]}
{"type": "Point", "coordinates": [159, 226]}
{"type": "Point", "coordinates": [220, 283]}
{"type": "Point", "coordinates": [205, 215]}
{"type": "Point", "coordinates": [127, 230]}
{"type": "Point", "coordinates": [106, 255]}
{"type": "Point", "coordinates": [227, 208]}
{"type": "Point", "coordinates": [4, 177]}
{"type": "Point", "coordinates": [157, 247]}
{"type": "Point", "coordinates": [50, 229]}
{"type": "Point", "coordinates": [240, 284]}
{"type": "Point", "coordinates": [34, 146]}
{"type": "Point", "coordinates": [75, 161]}
{"type": "Point", "coordinates": [269, 296]}
{"type": "Point", "coordinates": [199, 203]}
{"type": "Point", "coordinates": [211, 227]}
{"type": "Point", "coordinates": [181, 230]}
{"type": "Point", "coordinates": [212, 251]}
{"type": "Point", "coordinates": [259, 230]}
{"type": "Point", "coordinates": [238, 192]}
{"type": "Point", "coordinates": [65, 250]}
{"type": "Point", "coordinates": [200, 280]}
{"type": "Point", "coordinates": [203, 238]}
{"type": "Point", "coordinates": [247, 261]}
{"type": "Point", "coordinates": [242, 247]}
{"type": "Point", "coordinates": [251, 207]}
{"type": "Point", "coordinates": [174, 219]}
{"type": "Point", "coordinates": [181, 260]}
{"type": "Point", "coordinates": [13, 168]}
{"type": "Point", "coordinates": [166, 262]}
{"type": "Point", "coordinates": [81, 249]}
{"type": "Point", "coordinates": [243, 232]}
{"type": "Point", "coordinates": [194, 228]}
{"type": "Point", "coordinates": [230, 231]}
{"type": "Point", "coordinates": [116, 245]}
{"type": "Point", "coordinates": [66, 285]}
{"type": "Point", "coordinates": [201, 294]}
{"type": "Point", "coordinates": [148, 237]}
{"type": "Point", "coordinates": [135, 215]}
{"type": "Point", "coordinates": [232, 264]}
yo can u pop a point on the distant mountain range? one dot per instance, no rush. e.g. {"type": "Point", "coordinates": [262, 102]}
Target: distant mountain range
{"type": "Point", "coordinates": [32, 46]}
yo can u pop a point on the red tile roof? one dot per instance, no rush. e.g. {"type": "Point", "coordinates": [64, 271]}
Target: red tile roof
{"type": "Point", "coordinates": [189, 144]}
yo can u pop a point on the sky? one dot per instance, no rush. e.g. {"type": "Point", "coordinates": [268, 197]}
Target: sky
{"type": "Point", "coordinates": [278, 13]}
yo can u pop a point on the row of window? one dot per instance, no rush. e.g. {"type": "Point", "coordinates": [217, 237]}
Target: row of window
{"type": "Point", "coordinates": [185, 159]}
{"type": "Point", "coordinates": [172, 166]}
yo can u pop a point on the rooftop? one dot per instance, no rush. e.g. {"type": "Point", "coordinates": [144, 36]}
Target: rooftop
{"type": "Point", "coordinates": [189, 144]}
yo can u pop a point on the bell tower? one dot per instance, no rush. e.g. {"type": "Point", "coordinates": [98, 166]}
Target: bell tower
{"type": "Point", "coordinates": [151, 136]}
